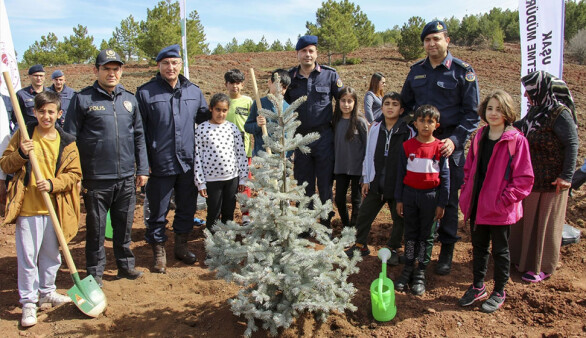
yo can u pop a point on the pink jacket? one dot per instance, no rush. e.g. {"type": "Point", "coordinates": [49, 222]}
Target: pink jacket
{"type": "Point", "coordinates": [499, 201]}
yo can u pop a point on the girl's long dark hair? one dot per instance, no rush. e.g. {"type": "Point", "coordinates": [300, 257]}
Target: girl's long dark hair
{"type": "Point", "coordinates": [353, 126]}
{"type": "Point", "coordinates": [374, 84]}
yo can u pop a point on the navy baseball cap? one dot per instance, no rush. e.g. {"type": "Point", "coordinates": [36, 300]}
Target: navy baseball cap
{"type": "Point", "coordinates": [435, 26]}
{"type": "Point", "coordinates": [108, 55]}
{"type": "Point", "coordinates": [172, 51]}
{"type": "Point", "coordinates": [306, 40]}
{"type": "Point", "coordinates": [56, 74]}
{"type": "Point", "coordinates": [36, 69]}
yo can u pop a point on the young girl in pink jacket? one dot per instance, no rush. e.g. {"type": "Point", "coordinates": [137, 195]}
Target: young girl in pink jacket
{"type": "Point", "coordinates": [497, 176]}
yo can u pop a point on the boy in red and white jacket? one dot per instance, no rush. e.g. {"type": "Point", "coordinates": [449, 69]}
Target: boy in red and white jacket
{"type": "Point", "coordinates": [422, 192]}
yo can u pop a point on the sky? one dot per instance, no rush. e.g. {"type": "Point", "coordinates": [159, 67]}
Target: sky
{"type": "Point", "coordinates": [222, 19]}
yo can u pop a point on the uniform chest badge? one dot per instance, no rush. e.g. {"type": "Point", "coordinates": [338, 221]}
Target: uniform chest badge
{"type": "Point", "coordinates": [339, 83]}
{"type": "Point", "coordinates": [470, 76]}
{"type": "Point", "coordinates": [128, 106]}
{"type": "Point", "coordinates": [422, 76]}
{"type": "Point", "coordinates": [411, 157]}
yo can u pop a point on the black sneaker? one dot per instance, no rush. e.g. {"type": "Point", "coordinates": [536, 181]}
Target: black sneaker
{"type": "Point", "coordinates": [473, 294]}
{"type": "Point", "coordinates": [494, 302]}
{"type": "Point", "coordinates": [128, 274]}
{"type": "Point", "coordinates": [364, 251]}
{"type": "Point", "coordinates": [418, 282]}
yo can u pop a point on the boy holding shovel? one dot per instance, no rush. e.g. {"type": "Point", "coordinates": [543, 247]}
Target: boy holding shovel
{"type": "Point", "coordinates": [37, 247]}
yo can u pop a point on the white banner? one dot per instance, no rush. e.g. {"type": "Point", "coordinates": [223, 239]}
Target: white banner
{"type": "Point", "coordinates": [541, 24]}
{"type": "Point", "coordinates": [8, 61]}
{"type": "Point", "coordinates": [183, 15]}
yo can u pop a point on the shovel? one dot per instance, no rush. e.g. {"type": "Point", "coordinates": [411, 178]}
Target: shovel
{"type": "Point", "coordinates": [258, 106]}
{"type": "Point", "coordinates": [86, 294]}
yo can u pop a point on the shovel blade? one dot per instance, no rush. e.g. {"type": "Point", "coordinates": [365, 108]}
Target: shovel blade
{"type": "Point", "coordinates": [88, 296]}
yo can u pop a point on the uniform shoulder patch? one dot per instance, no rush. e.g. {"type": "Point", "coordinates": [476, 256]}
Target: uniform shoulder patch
{"type": "Point", "coordinates": [339, 83]}
{"type": "Point", "coordinates": [470, 76]}
{"type": "Point", "coordinates": [463, 64]}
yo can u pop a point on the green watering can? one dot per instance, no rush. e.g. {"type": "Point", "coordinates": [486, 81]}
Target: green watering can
{"type": "Point", "coordinates": [382, 292]}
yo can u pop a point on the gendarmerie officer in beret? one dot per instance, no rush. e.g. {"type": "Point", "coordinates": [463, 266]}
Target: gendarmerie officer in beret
{"type": "Point", "coordinates": [169, 105]}
{"type": "Point", "coordinates": [321, 84]}
{"type": "Point", "coordinates": [26, 96]}
{"type": "Point", "coordinates": [63, 90]}
{"type": "Point", "coordinates": [450, 85]}
{"type": "Point", "coordinates": [106, 121]}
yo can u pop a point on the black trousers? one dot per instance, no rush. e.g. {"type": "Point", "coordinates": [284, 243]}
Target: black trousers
{"type": "Point", "coordinates": [118, 196]}
{"type": "Point", "coordinates": [317, 167]}
{"type": "Point", "coordinates": [448, 226]}
{"type": "Point", "coordinates": [221, 201]}
{"type": "Point", "coordinates": [481, 238]}
{"type": "Point", "coordinates": [158, 192]}
{"type": "Point", "coordinates": [419, 213]}
{"type": "Point", "coordinates": [369, 209]}
{"type": "Point", "coordinates": [342, 183]}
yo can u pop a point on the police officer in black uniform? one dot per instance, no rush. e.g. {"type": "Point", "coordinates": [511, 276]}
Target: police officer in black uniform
{"type": "Point", "coordinates": [106, 121]}
{"type": "Point", "coordinates": [450, 85]}
{"type": "Point", "coordinates": [26, 96]}
{"type": "Point", "coordinates": [65, 92]}
{"type": "Point", "coordinates": [321, 84]}
{"type": "Point", "coordinates": [169, 104]}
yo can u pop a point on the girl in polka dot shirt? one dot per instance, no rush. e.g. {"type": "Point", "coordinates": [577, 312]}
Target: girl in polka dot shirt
{"type": "Point", "coordinates": [221, 167]}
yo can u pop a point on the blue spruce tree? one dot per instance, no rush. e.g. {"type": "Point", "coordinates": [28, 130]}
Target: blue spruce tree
{"type": "Point", "coordinates": [282, 274]}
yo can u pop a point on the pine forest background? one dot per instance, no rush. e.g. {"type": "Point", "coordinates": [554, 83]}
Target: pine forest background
{"type": "Point", "coordinates": [342, 27]}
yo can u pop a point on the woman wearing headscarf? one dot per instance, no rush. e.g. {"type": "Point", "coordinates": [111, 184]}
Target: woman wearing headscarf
{"type": "Point", "coordinates": [551, 129]}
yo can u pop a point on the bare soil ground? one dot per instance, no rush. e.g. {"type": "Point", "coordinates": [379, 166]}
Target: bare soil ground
{"type": "Point", "coordinates": [190, 301]}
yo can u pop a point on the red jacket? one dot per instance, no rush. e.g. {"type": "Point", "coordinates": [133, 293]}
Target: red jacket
{"type": "Point", "coordinates": [499, 201]}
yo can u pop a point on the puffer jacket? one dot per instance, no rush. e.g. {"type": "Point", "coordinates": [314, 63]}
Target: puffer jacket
{"type": "Point", "coordinates": [499, 200]}
{"type": "Point", "coordinates": [65, 188]}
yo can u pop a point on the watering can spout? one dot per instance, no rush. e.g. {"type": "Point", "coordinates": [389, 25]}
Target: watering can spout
{"type": "Point", "coordinates": [384, 254]}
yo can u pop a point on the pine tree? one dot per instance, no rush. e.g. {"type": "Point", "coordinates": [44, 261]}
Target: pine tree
{"type": "Point", "coordinates": [124, 40]}
{"type": "Point", "coordinates": [162, 28]}
{"type": "Point", "coordinates": [410, 45]}
{"type": "Point", "coordinates": [282, 274]}
{"type": "Point", "coordinates": [79, 47]}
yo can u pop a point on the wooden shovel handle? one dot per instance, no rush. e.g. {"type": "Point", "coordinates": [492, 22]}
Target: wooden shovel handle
{"type": "Point", "coordinates": [39, 176]}
{"type": "Point", "coordinates": [258, 104]}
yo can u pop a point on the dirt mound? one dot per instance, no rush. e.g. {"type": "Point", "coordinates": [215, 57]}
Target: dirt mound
{"type": "Point", "coordinates": [189, 301]}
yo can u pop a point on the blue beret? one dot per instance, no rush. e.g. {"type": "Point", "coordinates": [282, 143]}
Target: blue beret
{"type": "Point", "coordinates": [435, 26]}
{"type": "Point", "coordinates": [172, 51]}
{"type": "Point", "coordinates": [35, 69]}
{"type": "Point", "coordinates": [306, 40]}
{"type": "Point", "coordinates": [56, 74]}
{"type": "Point", "coordinates": [106, 56]}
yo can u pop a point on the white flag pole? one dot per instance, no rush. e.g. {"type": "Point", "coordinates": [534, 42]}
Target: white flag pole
{"type": "Point", "coordinates": [541, 24]}
{"type": "Point", "coordinates": [183, 14]}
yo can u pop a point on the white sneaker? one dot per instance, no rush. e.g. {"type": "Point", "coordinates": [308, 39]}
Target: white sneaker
{"type": "Point", "coordinates": [29, 315]}
{"type": "Point", "coordinates": [53, 299]}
